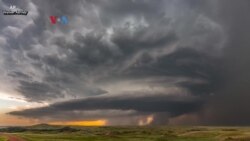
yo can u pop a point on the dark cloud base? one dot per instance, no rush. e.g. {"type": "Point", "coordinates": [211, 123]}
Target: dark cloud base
{"type": "Point", "coordinates": [160, 105]}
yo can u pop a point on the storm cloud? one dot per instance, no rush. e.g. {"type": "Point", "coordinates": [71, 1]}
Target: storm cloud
{"type": "Point", "coordinates": [125, 104]}
{"type": "Point", "coordinates": [128, 60]}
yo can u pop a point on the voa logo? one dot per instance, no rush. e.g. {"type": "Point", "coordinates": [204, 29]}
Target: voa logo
{"type": "Point", "coordinates": [56, 19]}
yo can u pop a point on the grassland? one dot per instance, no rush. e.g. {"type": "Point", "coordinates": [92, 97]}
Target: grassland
{"type": "Point", "coordinates": [135, 134]}
{"type": "Point", "coordinates": [3, 139]}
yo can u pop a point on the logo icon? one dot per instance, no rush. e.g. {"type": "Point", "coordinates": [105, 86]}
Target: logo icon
{"type": "Point", "coordinates": [62, 19]}
{"type": "Point", "coordinates": [12, 7]}
{"type": "Point", "coordinates": [14, 10]}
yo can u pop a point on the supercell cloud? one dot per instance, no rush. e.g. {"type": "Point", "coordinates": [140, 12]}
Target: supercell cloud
{"type": "Point", "coordinates": [127, 60]}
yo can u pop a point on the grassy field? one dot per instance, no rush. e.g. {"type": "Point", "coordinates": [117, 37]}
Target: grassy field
{"type": "Point", "coordinates": [3, 139]}
{"type": "Point", "coordinates": [136, 134]}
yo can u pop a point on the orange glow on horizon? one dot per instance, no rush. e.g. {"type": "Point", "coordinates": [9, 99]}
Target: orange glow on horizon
{"type": "Point", "coordinates": [7, 120]}
{"type": "Point", "coordinates": [82, 123]}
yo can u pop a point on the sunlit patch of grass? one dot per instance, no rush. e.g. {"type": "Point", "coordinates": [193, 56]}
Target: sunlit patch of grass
{"type": "Point", "coordinates": [138, 134]}
{"type": "Point", "coordinates": [110, 137]}
{"type": "Point", "coordinates": [237, 139]}
{"type": "Point", "coordinates": [3, 139]}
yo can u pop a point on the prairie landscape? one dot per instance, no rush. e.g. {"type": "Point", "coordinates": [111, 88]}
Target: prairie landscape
{"type": "Point", "coordinates": [124, 70]}
{"type": "Point", "coordinates": [67, 133]}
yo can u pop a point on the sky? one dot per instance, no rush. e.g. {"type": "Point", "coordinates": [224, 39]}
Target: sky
{"type": "Point", "coordinates": [125, 62]}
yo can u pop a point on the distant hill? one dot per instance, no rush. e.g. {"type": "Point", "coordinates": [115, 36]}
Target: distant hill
{"type": "Point", "coordinates": [39, 128]}
{"type": "Point", "coordinates": [43, 126]}
{"type": "Point", "coordinates": [53, 128]}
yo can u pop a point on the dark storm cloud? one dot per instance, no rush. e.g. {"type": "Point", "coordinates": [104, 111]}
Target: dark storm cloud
{"type": "Point", "coordinates": [37, 90]}
{"type": "Point", "coordinates": [17, 74]}
{"type": "Point", "coordinates": [182, 62]}
{"type": "Point", "coordinates": [230, 105]}
{"type": "Point", "coordinates": [77, 58]}
{"type": "Point", "coordinates": [153, 103]}
{"type": "Point", "coordinates": [117, 10]}
{"type": "Point", "coordinates": [108, 48]}
{"type": "Point", "coordinates": [143, 38]}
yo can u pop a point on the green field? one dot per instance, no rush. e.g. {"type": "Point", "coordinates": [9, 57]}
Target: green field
{"type": "Point", "coordinates": [136, 134]}
{"type": "Point", "coordinates": [3, 139]}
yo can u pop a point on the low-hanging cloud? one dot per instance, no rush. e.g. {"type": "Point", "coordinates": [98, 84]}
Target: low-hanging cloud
{"type": "Point", "coordinates": [143, 104]}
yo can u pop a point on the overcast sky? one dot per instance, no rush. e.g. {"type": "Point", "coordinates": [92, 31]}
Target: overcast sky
{"type": "Point", "coordinates": [126, 61]}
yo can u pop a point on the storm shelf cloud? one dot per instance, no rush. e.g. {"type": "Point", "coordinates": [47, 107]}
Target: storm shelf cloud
{"type": "Point", "coordinates": [118, 59]}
